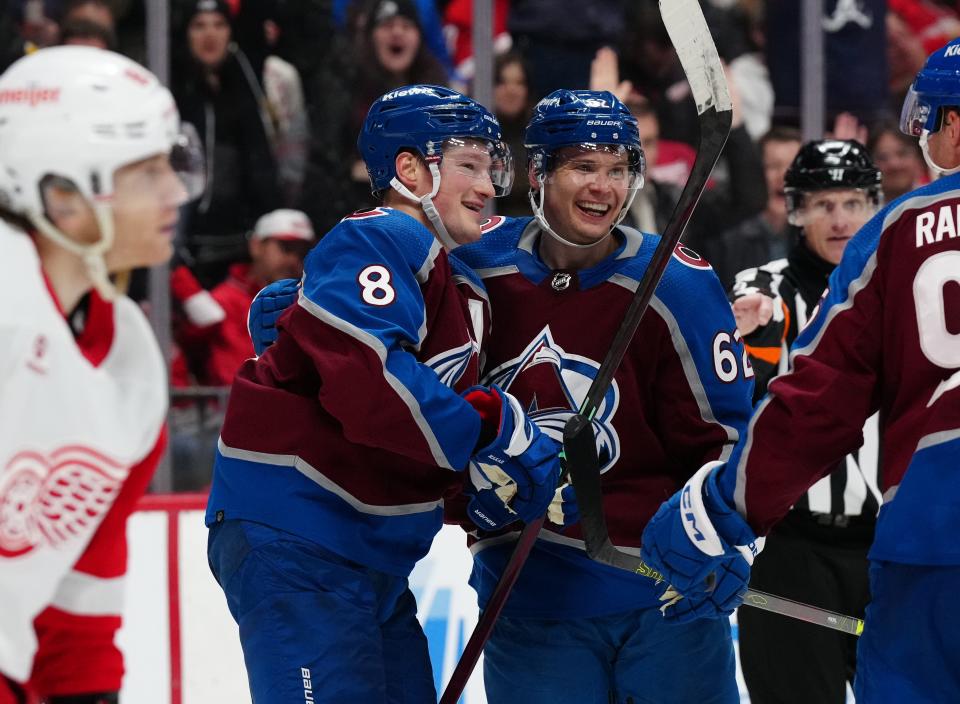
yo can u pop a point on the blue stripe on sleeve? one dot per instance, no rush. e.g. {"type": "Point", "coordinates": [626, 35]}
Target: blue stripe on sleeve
{"type": "Point", "coordinates": [388, 258]}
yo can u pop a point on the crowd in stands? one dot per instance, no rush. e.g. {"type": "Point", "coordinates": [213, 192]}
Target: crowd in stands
{"type": "Point", "coordinates": [277, 91]}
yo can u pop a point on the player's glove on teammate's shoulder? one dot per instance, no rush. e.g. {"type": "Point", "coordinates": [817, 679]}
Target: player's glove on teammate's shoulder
{"type": "Point", "coordinates": [703, 547]}
{"type": "Point", "coordinates": [514, 473]}
{"type": "Point", "coordinates": [266, 308]}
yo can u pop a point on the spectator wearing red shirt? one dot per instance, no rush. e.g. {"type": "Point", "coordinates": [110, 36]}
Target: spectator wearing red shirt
{"type": "Point", "coordinates": [278, 244]}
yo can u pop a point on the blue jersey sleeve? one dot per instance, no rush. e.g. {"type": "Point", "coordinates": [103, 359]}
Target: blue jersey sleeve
{"type": "Point", "coordinates": [362, 318]}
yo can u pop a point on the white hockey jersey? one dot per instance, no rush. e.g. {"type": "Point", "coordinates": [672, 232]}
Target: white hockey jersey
{"type": "Point", "coordinates": [75, 417]}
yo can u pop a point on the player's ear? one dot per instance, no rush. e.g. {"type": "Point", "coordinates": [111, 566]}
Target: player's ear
{"type": "Point", "coordinates": [532, 177]}
{"type": "Point", "coordinates": [410, 169]}
{"type": "Point", "coordinates": [66, 208]}
{"type": "Point", "coordinates": [952, 120]}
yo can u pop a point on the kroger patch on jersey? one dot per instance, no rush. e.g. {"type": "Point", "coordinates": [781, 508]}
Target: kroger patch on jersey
{"type": "Point", "coordinates": [933, 227]}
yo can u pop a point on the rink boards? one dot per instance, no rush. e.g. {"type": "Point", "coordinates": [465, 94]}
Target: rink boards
{"type": "Point", "coordinates": [181, 644]}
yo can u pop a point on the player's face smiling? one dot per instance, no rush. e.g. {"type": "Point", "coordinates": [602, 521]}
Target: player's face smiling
{"type": "Point", "coordinates": [584, 194]}
{"type": "Point", "coordinates": [465, 187]}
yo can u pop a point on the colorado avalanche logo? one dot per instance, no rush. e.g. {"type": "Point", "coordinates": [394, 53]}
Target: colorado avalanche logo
{"type": "Point", "coordinates": [51, 499]}
{"type": "Point", "coordinates": [452, 364]}
{"type": "Point", "coordinates": [552, 384]}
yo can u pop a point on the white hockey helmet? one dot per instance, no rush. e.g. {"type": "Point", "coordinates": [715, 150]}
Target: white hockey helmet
{"type": "Point", "coordinates": [80, 113]}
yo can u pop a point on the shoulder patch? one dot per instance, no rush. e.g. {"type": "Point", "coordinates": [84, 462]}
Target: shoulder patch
{"type": "Point", "coordinates": [688, 257]}
{"type": "Point", "coordinates": [492, 223]}
{"type": "Point", "coordinates": [366, 213]}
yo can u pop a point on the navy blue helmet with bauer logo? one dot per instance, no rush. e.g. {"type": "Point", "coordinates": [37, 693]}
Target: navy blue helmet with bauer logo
{"type": "Point", "coordinates": [568, 118]}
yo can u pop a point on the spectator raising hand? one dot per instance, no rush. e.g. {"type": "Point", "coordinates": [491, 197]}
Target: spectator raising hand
{"type": "Point", "coordinates": [847, 126]}
{"type": "Point", "coordinates": [605, 74]}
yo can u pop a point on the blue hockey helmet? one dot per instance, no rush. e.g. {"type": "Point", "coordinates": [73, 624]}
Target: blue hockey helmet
{"type": "Point", "coordinates": [936, 86]}
{"type": "Point", "coordinates": [586, 120]}
{"type": "Point", "coordinates": [422, 118]}
{"type": "Point", "coordinates": [569, 118]}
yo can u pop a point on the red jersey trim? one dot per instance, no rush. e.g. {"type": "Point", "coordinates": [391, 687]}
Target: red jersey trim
{"type": "Point", "coordinates": [365, 214]}
{"type": "Point", "coordinates": [97, 337]}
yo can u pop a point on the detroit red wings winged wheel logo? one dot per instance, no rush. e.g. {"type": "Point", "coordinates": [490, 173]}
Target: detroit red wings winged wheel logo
{"type": "Point", "coordinates": [51, 499]}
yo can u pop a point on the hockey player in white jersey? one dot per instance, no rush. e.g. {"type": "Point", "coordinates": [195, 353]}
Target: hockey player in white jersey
{"type": "Point", "coordinates": [90, 143]}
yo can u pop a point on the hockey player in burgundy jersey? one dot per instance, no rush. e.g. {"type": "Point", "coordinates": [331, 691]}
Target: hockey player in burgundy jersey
{"type": "Point", "coordinates": [818, 553]}
{"type": "Point", "coordinates": [342, 440]}
{"type": "Point", "coordinates": [558, 286]}
{"type": "Point", "coordinates": [574, 630]}
{"type": "Point", "coordinates": [88, 139]}
{"type": "Point", "coordinates": [886, 337]}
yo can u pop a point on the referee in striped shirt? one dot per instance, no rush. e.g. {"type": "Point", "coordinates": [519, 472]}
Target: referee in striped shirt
{"type": "Point", "coordinates": [818, 553]}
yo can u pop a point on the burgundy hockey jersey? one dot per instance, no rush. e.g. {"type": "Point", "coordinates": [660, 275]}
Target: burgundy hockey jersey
{"type": "Point", "coordinates": [350, 430]}
{"type": "Point", "coordinates": [680, 398]}
{"type": "Point", "coordinates": [886, 337]}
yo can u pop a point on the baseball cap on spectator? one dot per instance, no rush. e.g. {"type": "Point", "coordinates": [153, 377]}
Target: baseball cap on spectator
{"type": "Point", "coordinates": [284, 224]}
{"type": "Point", "coordinates": [388, 9]}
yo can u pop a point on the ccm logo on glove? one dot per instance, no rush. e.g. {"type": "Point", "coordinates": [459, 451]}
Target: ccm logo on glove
{"type": "Point", "coordinates": [688, 515]}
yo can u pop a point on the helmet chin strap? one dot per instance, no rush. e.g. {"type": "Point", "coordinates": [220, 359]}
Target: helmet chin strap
{"type": "Point", "coordinates": [92, 254]}
{"type": "Point", "coordinates": [429, 209]}
{"type": "Point", "coordinates": [929, 159]}
{"type": "Point", "coordinates": [536, 204]}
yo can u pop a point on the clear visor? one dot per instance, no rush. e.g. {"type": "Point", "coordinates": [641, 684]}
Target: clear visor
{"type": "Point", "coordinates": [170, 179]}
{"type": "Point", "coordinates": [480, 160]}
{"type": "Point", "coordinates": [852, 204]}
{"type": "Point", "coordinates": [599, 164]}
{"type": "Point", "coordinates": [187, 162]}
{"type": "Point", "coordinates": [916, 115]}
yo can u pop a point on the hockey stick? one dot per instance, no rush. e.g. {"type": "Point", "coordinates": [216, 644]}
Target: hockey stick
{"type": "Point", "coordinates": [690, 35]}
{"type": "Point", "coordinates": [481, 633]}
{"type": "Point", "coordinates": [752, 597]}
{"type": "Point", "coordinates": [688, 30]}
{"type": "Point", "coordinates": [581, 454]}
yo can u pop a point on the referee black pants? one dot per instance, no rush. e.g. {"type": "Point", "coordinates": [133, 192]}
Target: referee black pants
{"type": "Point", "coordinates": [786, 661]}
